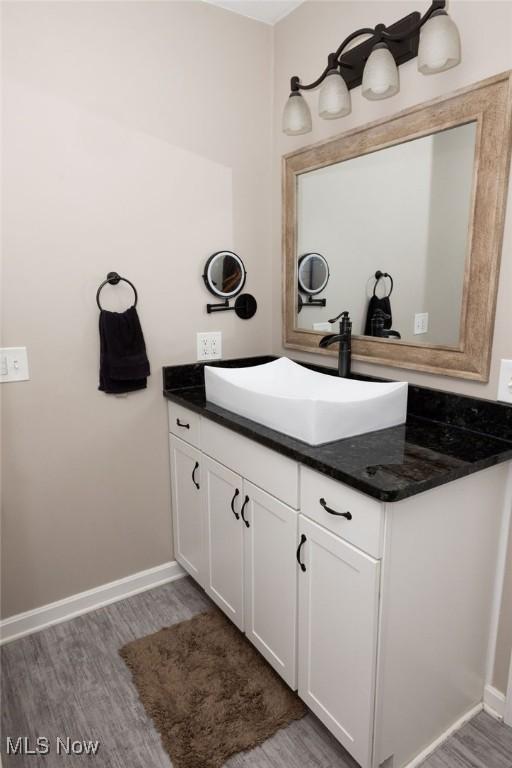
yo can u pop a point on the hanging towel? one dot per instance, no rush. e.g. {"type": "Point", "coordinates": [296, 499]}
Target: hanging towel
{"type": "Point", "coordinates": [124, 365]}
{"type": "Point", "coordinates": [375, 304]}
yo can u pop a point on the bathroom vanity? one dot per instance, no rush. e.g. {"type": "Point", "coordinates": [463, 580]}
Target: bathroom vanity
{"type": "Point", "coordinates": [362, 570]}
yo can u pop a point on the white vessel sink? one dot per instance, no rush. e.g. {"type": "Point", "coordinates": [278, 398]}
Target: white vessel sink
{"type": "Point", "coordinates": [313, 407]}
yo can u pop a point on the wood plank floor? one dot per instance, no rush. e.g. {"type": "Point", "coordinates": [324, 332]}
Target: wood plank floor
{"type": "Point", "coordinates": [68, 680]}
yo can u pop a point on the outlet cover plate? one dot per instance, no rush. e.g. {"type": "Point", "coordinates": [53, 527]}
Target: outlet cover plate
{"type": "Point", "coordinates": [209, 345]}
{"type": "Point", "coordinates": [505, 382]}
{"type": "Point", "coordinates": [420, 323]}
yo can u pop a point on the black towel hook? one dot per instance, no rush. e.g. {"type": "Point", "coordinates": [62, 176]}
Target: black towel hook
{"type": "Point", "coordinates": [113, 278]}
{"type": "Point", "coordinates": [378, 276]}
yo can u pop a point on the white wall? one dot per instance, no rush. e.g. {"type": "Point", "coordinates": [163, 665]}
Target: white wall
{"type": "Point", "coordinates": [133, 141]}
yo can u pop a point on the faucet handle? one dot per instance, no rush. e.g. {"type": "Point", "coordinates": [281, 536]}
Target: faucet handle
{"type": "Point", "coordinates": [341, 314]}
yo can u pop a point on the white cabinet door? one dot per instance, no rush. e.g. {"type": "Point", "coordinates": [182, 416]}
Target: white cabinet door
{"type": "Point", "coordinates": [187, 507]}
{"type": "Point", "coordinates": [271, 580]}
{"type": "Point", "coordinates": [225, 562]}
{"type": "Point", "coordinates": [338, 620]}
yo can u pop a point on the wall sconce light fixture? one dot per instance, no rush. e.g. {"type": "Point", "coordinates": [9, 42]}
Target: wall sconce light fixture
{"type": "Point", "coordinates": [433, 38]}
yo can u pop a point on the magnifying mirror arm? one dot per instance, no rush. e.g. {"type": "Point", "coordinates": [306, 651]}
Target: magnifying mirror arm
{"type": "Point", "coordinates": [379, 33]}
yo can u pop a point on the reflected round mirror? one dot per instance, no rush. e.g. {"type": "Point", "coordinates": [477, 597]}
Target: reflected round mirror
{"type": "Point", "coordinates": [313, 273]}
{"type": "Point", "coordinates": [224, 274]}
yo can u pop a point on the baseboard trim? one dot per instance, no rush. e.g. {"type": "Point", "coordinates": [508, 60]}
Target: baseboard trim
{"type": "Point", "coordinates": [494, 702]}
{"type": "Point", "coordinates": [26, 623]}
{"type": "Point", "coordinates": [437, 743]}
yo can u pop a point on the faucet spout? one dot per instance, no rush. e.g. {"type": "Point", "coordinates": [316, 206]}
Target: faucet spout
{"type": "Point", "coordinates": [344, 339]}
{"type": "Point", "coordinates": [331, 338]}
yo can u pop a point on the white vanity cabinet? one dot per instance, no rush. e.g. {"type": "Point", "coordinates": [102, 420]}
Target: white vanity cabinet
{"type": "Point", "coordinates": [338, 623]}
{"type": "Point", "coordinates": [224, 539]}
{"type": "Point", "coordinates": [270, 533]}
{"type": "Point", "coordinates": [187, 507]}
{"type": "Point", "coordinates": [235, 539]}
{"type": "Point", "coordinates": [377, 612]}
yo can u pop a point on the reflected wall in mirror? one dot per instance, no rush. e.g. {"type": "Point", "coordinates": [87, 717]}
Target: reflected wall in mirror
{"type": "Point", "coordinates": [405, 210]}
{"type": "Point", "coordinates": [419, 196]}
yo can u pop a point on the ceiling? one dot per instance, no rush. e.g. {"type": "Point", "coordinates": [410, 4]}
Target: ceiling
{"type": "Point", "coordinates": [268, 11]}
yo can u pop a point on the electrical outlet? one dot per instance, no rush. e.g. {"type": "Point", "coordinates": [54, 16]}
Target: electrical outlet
{"type": "Point", "coordinates": [420, 323]}
{"type": "Point", "coordinates": [13, 364]}
{"type": "Point", "coordinates": [505, 382]}
{"type": "Point", "coordinates": [209, 345]}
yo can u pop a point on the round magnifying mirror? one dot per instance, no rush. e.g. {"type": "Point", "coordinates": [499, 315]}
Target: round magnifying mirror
{"type": "Point", "coordinates": [224, 274]}
{"type": "Point", "coordinates": [313, 273]}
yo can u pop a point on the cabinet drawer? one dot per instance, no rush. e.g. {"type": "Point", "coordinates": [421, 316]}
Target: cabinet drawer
{"type": "Point", "coordinates": [364, 529]}
{"type": "Point", "coordinates": [184, 423]}
{"type": "Point", "coordinates": [267, 469]}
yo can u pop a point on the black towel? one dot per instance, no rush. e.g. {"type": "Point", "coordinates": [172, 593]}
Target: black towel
{"type": "Point", "coordinates": [383, 303]}
{"type": "Point", "coordinates": [124, 365]}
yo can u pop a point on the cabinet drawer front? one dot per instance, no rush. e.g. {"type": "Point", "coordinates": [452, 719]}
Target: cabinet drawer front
{"type": "Point", "coordinates": [184, 423]}
{"type": "Point", "coordinates": [267, 469]}
{"type": "Point", "coordinates": [365, 528]}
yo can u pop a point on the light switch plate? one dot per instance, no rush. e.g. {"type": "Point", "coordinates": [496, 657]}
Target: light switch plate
{"type": "Point", "coordinates": [209, 345]}
{"type": "Point", "coordinates": [505, 382]}
{"type": "Point", "coordinates": [13, 364]}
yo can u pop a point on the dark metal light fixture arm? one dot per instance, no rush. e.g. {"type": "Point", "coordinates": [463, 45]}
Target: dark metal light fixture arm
{"type": "Point", "coordinates": [379, 34]}
{"type": "Point", "coordinates": [332, 62]}
{"type": "Point", "coordinates": [437, 5]}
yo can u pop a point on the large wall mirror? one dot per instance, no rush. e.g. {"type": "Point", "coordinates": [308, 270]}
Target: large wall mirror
{"type": "Point", "coordinates": [408, 214]}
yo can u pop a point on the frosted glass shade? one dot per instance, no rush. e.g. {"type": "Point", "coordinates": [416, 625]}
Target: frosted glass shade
{"type": "Point", "coordinates": [334, 97]}
{"type": "Point", "coordinates": [380, 75]}
{"type": "Point", "coordinates": [439, 47]}
{"type": "Point", "coordinates": [296, 115]}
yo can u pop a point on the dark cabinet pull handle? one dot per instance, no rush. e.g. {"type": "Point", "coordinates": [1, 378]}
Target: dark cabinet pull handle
{"type": "Point", "coordinates": [302, 542]}
{"type": "Point", "coordinates": [182, 424]}
{"type": "Point", "coordinates": [233, 505]}
{"type": "Point", "coordinates": [323, 503]}
{"type": "Point", "coordinates": [242, 511]}
{"type": "Point", "coordinates": [194, 475]}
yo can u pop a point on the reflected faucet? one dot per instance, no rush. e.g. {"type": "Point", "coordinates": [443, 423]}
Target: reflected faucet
{"type": "Point", "coordinates": [344, 339]}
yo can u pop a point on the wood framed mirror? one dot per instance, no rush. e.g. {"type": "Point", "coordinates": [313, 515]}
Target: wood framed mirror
{"type": "Point", "coordinates": [419, 196]}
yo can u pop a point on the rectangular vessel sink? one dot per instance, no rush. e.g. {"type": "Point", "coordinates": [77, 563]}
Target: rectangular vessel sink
{"type": "Point", "coordinates": [313, 407]}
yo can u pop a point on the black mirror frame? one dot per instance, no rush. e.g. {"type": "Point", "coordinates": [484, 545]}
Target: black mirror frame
{"type": "Point", "coordinates": [220, 294]}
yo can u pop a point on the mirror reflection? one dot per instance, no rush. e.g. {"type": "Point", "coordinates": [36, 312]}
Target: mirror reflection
{"type": "Point", "coordinates": [391, 228]}
{"type": "Point", "coordinates": [313, 273]}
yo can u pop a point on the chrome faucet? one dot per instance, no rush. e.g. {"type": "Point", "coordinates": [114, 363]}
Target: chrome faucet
{"type": "Point", "coordinates": [344, 339]}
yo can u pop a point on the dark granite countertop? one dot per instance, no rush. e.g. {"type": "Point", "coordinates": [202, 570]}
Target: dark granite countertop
{"type": "Point", "coordinates": [447, 436]}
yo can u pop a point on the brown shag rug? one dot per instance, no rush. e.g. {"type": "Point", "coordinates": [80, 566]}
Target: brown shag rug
{"type": "Point", "coordinates": [209, 692]}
